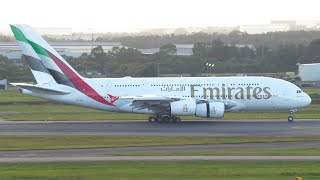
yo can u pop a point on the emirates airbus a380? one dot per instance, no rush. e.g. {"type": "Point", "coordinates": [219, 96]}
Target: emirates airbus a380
{"type": "Point", "coordinates": [163, 98]}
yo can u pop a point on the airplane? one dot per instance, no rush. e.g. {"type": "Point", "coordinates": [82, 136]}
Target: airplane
{"type": "Point", "coordinates": [164, 98]}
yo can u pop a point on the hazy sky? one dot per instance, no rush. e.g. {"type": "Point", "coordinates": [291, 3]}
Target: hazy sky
{"type": "Point", "coordinates": [128, 15]}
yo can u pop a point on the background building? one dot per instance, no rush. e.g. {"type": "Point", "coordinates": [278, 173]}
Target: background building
{"type": "Point", "coordinates": [68, 48]}
{"type": "Point", "coordinates": [182, 50]}
{"type": "Point", "coordinates": [309, 72]}
{"type": "Point", "coordinates": [3, 85]}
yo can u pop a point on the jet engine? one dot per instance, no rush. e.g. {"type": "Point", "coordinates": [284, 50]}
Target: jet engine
{"type": "Point", "coordinates": [183, 107]}
{"type": "Point", "coordinates": [210, 110]}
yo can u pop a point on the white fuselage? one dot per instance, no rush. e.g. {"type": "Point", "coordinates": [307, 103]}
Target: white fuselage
{"type": "Point", "coordinates": [240, 93]}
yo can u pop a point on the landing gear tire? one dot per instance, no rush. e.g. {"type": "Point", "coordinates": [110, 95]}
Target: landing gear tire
{"type": "Point", "coordinates": [152, 119]}
{"type": "Point", "coordinates": [164, 119]}
{"type": "Point", "coordinates": [290, 118]}
{"type": "Point", "coordinates": [178, 119]}
{"type": "Point", "coordinates": [172, 119]}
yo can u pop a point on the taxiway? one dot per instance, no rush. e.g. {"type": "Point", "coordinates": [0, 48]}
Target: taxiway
{"type": "Point", "coordinates": [299, 128]}
{"type": "Point", "coordinates": [248, 128]}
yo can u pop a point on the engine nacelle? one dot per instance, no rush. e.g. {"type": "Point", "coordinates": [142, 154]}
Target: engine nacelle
{"type": "Point", "coordinates": [183, 107]}
{"type": "Point", "coordinates": [210, 110]}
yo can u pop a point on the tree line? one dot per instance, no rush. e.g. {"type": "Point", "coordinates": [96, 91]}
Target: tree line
{"type": "Point", "coordinates": [126, 61]}
{"type": "Point", "coordinates": [235, 52]}
{"type": "Point", "coordinates": [270, 39]}
{"type": "Point", "coordinates": [8, 70]}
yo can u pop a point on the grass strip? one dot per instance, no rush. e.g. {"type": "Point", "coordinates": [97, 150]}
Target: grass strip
{"type": "Point", "coordinates": [159, 170]}
{"type": "Point", "coordinates": [92, 141]}
{"type": "Point", "coordinates": [230, 152]}
{"type": "Point", "coordinates": [22, 112]}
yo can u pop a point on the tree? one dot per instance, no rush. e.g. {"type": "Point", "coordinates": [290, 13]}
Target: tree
{"type": "Point", "coordinates": [217, 43]}
{"type": "Point", "coordinates": [150, 71]}
{"type": "Point", "coordinates": [100, 58]}
{"type": "Point", "coordinates": [313, 50]}
{"type": "Point", "coordinates": [168, 49]}
{"type": "Point", "coordinates": [200, 49]}
{"type": "Point", "coordinates": [3, 60]}
{"type": "Point", "coordinates": [124, 62]}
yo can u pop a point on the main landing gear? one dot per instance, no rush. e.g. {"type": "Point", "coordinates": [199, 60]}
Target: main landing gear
{"type": "Point", "coordinates": [165, 119]}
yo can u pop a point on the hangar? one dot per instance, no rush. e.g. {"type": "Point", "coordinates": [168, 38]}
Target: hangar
{"type": "Point", "coordinates": [3, 85]}
{"type": "Point", "coordinates": [309, 72]}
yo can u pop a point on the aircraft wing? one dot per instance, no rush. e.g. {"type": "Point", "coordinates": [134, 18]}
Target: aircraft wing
{"type": "Point", "coordinates": [153, 103]}
{"type": "Point", "coordinates": [162, 103]}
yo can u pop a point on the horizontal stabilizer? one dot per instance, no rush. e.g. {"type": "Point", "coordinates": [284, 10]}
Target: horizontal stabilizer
{"type": "Point", "coordinates": [40, 89]}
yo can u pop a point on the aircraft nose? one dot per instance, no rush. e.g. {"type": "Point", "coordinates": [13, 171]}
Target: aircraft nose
{"type": "Point", "coordinates": [306, 100]}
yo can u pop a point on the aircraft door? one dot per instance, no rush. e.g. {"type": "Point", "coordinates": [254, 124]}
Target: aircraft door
{"type": "Point", "coordinates": [108, 87]}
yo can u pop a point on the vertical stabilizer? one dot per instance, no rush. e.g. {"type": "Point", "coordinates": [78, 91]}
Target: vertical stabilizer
{"type": "Point", "coordinates": [45, 60]}
{"type": "Point", "coordinates": [38, 69]}
{"type": "Point", "coordinates": [55, 65]}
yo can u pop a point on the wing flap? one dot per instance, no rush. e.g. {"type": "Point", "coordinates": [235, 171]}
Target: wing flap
{"type": "Point", "coordinates": [149, 102]}
{"type": "Point", "coordinates": [147, 98]}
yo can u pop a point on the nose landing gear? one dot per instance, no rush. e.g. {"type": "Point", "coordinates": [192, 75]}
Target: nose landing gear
{"type": "Point", "coordinates": [290, 116]}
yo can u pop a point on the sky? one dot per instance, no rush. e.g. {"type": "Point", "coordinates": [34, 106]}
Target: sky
{"type": "Point", "coordinates": [131, 15]}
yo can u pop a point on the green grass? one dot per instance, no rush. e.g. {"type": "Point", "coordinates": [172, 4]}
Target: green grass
{"type": "Point", "coordinates": [310, 112]}
{"type": "Point", "coordinates": [159, 170]}
{"type": "Point", "coordinates": [231, 152]}
{"type": "Point", "coordinates": [64, 142]}
{"type": "Point", "coordinates": [15, 97]}
{"type": "Point", "coordinates": [312, 90]}
{"type": "Point", "coordinates": [21, 112]}
{"type": "Point", "coordinates": [19, 107]}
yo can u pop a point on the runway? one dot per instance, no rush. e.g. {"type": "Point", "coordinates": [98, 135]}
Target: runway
{"type": "Point", "coordinates": [300, 128]}
{"type": "Point", "coordinates": [162, 158]}
{"type": "Point", "coordinates": [250, 128]}
{"type": "Point", "coordinates": [102, 152]}
{"type": "Point", "coordinates": [114, 154]}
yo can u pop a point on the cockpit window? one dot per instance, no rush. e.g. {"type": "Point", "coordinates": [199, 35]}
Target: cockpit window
{"type": "Point", "coordinates": [298, 91]}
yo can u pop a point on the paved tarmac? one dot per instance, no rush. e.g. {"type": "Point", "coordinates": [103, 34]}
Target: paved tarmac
{"type": "Point", "coordinates": [300, 128]}
{"type": "Point", "coordinates": [102, 152]}
{"type": "Point", "coordinates": [162, 158]}
{"type": "Point", "coordinates": [251, 128]}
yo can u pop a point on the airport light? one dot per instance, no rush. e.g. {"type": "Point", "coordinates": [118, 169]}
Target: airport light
{"type": "Point", "coordinates": [207, 67]}
{"type": "Point", "coordinates": [212, 66]}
